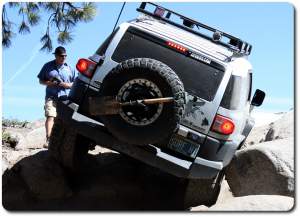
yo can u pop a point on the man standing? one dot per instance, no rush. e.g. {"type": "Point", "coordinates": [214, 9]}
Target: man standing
{"type": "Point", "coordinates": [58, 77]}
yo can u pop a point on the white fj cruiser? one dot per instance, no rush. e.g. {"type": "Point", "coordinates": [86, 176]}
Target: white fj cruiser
{"type": "Point", "coordinates": [164, 93]}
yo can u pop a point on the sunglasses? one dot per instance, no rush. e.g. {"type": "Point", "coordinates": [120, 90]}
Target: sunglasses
{"type": "Point", "coordinates": [62, 55]}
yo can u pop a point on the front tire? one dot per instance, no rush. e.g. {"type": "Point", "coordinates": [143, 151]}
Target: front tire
{"type": "Point", "coordinates": [67, 147]}
{"type": "Point", "coordinates": [202, 191]}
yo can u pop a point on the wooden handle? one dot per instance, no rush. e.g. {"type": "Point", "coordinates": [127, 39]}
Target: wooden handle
{"type": "Point", "coordinates": [158, 100]}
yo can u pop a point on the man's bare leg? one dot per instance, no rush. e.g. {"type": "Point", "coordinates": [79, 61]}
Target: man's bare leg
{"type": "Point", "coordinates": [49, 125]}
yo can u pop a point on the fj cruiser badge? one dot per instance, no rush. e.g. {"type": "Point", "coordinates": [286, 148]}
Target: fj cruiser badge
{"type": "Point", "coordinates": [201, 58]}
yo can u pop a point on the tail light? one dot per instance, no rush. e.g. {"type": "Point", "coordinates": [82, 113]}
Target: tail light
{"type": "Point", "coordinates": [86, 67]}
{"type": "Point", "coordinates": [222, 125]}
{"type": "Point", "coordinates": [177, 47]}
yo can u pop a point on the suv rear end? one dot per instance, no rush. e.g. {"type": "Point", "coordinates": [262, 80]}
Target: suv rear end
{"type": "Point", "coordinates": [217, 82]}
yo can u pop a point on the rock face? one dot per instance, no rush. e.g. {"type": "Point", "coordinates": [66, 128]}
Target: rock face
{"type": "Point", "coordinates": [34, 178]}
{"type": "Point", "coordinates": [44, 177]}
{"type": "Point", "coordinates": [266, 168]}
{"type": "Point", "coordinates": [253, 202]}
{"type": "Point", "coordinates": [280, 129]}
{"type": "Point", "coordinates": [30, 137]}
{"type": "Point", "coordinates": [108, 181]}
{"type": "Point", "coordinates": [11, 156]}
{"type": "Point", "coordinates": [265, 165]}
{"type": "Point", "coordinates": [259, 173]}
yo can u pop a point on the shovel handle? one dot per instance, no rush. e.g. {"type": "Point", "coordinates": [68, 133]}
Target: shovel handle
{"type": "Point", "coordinates": [157, 100]}
{"type": "Point", "coordinates": [109, 105]}
{"type": "Point", "coordinates": [148, 101]}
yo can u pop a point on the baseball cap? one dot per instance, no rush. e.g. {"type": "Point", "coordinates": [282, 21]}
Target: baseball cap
{"type": "Point", "coordinates": [60, 51]}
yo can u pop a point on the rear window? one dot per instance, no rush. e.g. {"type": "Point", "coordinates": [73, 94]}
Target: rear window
{"type": "Point", "coordinates": [102, 49]}
{"type": "Point", "coordinates": [199, 79]}
{"type": "Point", "coordinates": [237, 93]}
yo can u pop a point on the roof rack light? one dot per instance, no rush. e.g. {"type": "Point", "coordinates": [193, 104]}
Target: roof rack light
{"type": "Point", "coordinates": [188, 23]}
{"type": "Point", "coordinates": [159, 11]}
{"type": "Point", "coordinates": [233, 43]}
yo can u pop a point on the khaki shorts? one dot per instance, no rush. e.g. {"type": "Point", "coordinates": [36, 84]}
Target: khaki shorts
{"type": "Point", "coordinates": [50, 108]}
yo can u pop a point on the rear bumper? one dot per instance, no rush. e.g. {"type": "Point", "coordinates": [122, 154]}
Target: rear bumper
{"type": "Point", "coordinates": [154, 156]}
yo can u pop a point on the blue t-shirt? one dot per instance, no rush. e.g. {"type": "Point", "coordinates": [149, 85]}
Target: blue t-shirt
{"type": "Point", "coordinates": [63, 73]}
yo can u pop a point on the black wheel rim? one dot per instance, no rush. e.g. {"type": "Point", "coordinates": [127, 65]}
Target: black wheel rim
{"type": "Point", "coordinates": [139, 89]}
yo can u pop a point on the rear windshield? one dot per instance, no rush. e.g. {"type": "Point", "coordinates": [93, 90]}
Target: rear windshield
{"type": "Point", "coordinates": [102, 49]}
{"type": "Point", "coordinates": [237, 93]}
{"type": "Point", "coordinates": [199, 79]}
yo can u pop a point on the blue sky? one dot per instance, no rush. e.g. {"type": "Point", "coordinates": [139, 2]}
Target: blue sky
{"type": "Point", "coordinates": [269, 27]}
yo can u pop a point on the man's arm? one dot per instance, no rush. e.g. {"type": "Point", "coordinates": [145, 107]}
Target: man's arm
{"type": "Point", "coordinates": [48, 83]}
{"type": "Point", "coordinates": [43, 77]}
{"type": "Point", "coordinates": [65, 85]}
{"type": "Point", "coordinates": [55, 84]}
{"type": "Point", "coordinates": [69, 85]}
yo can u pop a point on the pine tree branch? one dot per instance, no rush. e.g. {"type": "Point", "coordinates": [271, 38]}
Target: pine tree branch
{"type": "Point", "coordinates": [63, 16]}
{"type": "Point", "coordinates": [71, 5]}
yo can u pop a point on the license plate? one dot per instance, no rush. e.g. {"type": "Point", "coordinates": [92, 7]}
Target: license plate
{"type": "Point", "coordinates": [184, 147]}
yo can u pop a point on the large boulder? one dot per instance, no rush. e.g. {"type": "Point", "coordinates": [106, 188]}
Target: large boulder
{"type": "Point", "coordinates": [225, 192]}
{"type": "Point", "coordinates": [280, 129]}
{"type": "Point", "coordinates": [266, 168]}
{"type": "Point", "coordinates": [252, 203]}
{"type": "Point", "coordinates": [11, 156]}
{"type": "Point", "coordinates": [5, 165]}
{"type": "Point", "coordinates": [32, 179]}
{"type": "Point", "coordinates": [35, 139]}
{"type": "Point", "coordinates": [32, 136]}
{"type": "Point", "coordinates": [107, 181]}
{"type": "Point", "coordinates": [43, 176]}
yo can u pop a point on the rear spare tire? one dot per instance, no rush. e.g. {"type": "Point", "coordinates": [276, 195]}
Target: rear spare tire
{"type": "Point", "coordinates": [143, 78]}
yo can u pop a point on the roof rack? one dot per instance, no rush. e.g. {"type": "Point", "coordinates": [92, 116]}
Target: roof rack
{"type": "Point", "coordinates": [234, 43]}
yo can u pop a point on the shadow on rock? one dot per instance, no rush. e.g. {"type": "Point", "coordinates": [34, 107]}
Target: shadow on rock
{"type": "Point", "coordinates": [107, 181]}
